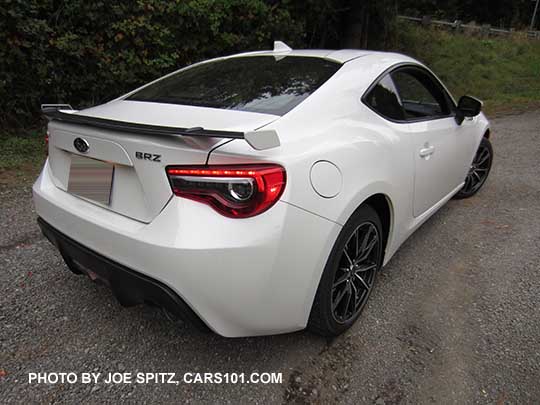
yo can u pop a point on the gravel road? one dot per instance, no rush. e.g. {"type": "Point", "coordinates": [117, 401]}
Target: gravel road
{"type": "Point", "coordinates": [454, 319]}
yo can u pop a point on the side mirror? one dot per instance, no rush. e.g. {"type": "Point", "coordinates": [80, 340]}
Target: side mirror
{"type": "Point", "coordinates": [467, 107]}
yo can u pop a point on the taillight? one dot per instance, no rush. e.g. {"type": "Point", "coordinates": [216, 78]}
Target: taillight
{"type": "Point", "coordinates": [236, 191]}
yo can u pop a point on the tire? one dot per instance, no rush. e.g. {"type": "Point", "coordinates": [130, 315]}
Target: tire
{"type": "Point", "coordinates": [479, 170]}
{"type": "Point", "coordinates": [331, 313]}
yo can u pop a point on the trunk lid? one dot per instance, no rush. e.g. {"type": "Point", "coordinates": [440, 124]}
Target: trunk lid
{"type": "Point", "coordinates": [140, 188]}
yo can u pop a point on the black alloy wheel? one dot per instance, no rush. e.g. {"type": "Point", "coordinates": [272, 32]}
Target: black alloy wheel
{"type": "Point", "coordinates": [349, 275]}
{"type": "Point", "coordinates": [355, 274]}
{"type": "Point", "coordinates": [479, 170]}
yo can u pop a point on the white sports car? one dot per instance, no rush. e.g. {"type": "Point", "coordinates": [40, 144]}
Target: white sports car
{"type": "Point", "coordinates": [258, 193]}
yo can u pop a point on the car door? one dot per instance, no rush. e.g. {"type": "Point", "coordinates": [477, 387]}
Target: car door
{"type": "Point", "coordinates": [429, 113]}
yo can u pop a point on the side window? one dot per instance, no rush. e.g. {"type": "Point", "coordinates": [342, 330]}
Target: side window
{"type": "Point", "coordinates": [421, 95]}
{"type": "Point", "coordinates": [383, 98]}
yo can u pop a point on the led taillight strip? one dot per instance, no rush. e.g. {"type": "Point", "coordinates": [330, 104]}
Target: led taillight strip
{"type": "Point", "coordinates": [200, 183]}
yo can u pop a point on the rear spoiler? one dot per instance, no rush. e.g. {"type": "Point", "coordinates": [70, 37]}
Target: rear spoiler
{"type": "Point", "coordinates": [259, 140]}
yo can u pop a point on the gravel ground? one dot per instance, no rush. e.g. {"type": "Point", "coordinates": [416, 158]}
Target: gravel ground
{"type": "Point", "coordinates": [454, 318]}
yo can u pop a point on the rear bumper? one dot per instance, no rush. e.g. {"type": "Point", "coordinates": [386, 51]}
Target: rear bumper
{"type": "Point", "coordinates": [129, 287]}
{"type": "Point", "coordinates": [241, 277]}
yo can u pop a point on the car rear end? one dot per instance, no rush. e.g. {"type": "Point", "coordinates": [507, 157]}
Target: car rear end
{"type": "Point", "coordinates": [145, 213]}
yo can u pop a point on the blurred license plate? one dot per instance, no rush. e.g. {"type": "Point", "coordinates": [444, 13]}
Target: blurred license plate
{"type": "Point", "coordinates": [91, 179]}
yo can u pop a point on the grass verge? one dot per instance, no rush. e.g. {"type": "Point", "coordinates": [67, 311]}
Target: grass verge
{"type": "Point", "coordinates": [21, 156]}
{"type": "Point", "coordinates": [504, 72]}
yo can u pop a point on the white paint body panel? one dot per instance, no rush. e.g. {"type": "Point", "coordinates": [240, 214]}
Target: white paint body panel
{"type": "Point", "coordinates": [242, 277]}
{"type": "Point", "coordinates": [269, 266]}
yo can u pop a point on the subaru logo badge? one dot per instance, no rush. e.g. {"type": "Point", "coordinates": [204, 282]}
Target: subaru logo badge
{"type": "Point", "coordinates": [81, 145]}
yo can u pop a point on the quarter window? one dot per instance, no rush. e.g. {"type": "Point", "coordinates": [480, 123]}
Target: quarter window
{"type": "Point", "coordinates": [384, 99]}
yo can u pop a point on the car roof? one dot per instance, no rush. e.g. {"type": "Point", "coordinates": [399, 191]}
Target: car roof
{"type": "Point", "coordinates": [340, 56]}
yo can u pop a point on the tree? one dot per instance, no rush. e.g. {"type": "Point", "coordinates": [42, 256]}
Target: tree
{"type": "Point", "coordinates": [345, 23]}
{"type": "Point", "coordinates": [368, 22]}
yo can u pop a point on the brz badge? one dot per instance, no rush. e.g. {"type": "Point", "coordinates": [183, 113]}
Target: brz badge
{"type": "Point", "coordinates": [81, 145]}
{"type": "Point", "coordinates": [148, 156]}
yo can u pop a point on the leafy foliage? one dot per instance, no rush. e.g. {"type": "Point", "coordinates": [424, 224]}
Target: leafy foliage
{"type": "Point", "coordinates": [87, 52]}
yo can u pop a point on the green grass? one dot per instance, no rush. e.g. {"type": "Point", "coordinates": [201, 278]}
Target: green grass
{"type": "Point", "coordinates": [21, 155]}
{"type": "Point", "coordinates": [503, 72]}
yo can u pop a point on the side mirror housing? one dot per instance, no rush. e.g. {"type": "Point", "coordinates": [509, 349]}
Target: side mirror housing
{"type": "Point", "coordinates": [468, 107]}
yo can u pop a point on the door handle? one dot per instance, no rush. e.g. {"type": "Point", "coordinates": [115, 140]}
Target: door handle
{"type": "Point", "coordinates": [427, 151]}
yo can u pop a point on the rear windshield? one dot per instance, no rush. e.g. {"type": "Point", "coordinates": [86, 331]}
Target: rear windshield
{"type": "Point", "coordinates": [263, 84]}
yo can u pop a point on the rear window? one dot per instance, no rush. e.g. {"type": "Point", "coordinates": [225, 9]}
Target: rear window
{"type": "Point", "coordinates": [263, 84]}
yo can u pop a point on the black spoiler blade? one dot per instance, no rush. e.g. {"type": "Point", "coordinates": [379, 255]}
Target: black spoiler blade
{"type": "Point", "coordinates": [54, 114]}
{"type": "Point", "coordinates": [259, 140]}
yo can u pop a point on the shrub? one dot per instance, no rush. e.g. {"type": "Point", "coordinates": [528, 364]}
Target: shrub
{"type": "Point", "coordinates": [85, 52]}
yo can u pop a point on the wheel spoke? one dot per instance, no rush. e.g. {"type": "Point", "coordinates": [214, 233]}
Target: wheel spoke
{"type": "Point", "coordinates": [340, 280]}
{"type": "Point", "coordinates": [483, 156]}
{"type": "Point", "coordinates": [362, 281]}
{"type": "Point", "coordinates": [355, 290]}
{"type": "Point", "coordinates": [357, 297]}
{"type": "Point", "coordinates": [469, 183]}
{"type": "Point", "coordinates": [357, 240]}
{"type": "Point", "coordinates": [369, 249]}
{"type": "Point", "coordinates": [339, 298]}
{"type": "Point", "coordinates": [365, 240]}
{"type": "Point", "coordinates": [346, 307]}
{"type": "Point", "coordinates": [366, 267]}
{"type": "Point", "coordinates": [348, 257]}
{"type": "Point", "coordinates": [484, 160]}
